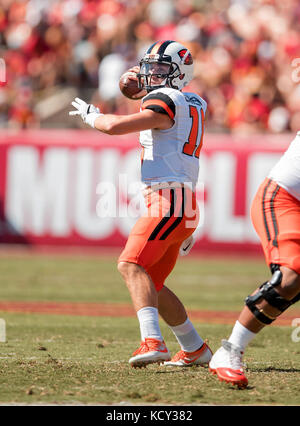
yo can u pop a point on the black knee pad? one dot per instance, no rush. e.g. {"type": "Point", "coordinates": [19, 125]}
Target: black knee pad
{"type": "Point", "coordinates": [267, 292]}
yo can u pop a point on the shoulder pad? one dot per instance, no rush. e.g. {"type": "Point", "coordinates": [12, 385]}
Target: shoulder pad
{"type": "Point", "coordinates": [160, 100]}
{"type": "Point", "coordinates": [195, 99]}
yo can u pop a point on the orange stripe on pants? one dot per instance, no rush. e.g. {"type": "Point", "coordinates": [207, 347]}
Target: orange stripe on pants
{"type": "Point", "coordinates": [275, 216]}
{"type": "Point", "coordinates": [172, 216]}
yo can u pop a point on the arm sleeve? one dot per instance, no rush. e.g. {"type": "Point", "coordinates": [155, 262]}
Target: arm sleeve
{"type": "Point", "coordinates": [160, 102]}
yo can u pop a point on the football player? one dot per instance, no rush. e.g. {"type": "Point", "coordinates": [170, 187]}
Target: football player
{"type": "Point", "coordinates": [275, 214]}
{"type": "Point", "coordinates": [171, 126]}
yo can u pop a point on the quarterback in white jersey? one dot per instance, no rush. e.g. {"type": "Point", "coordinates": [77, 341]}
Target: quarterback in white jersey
{"type": "Point", "coordinates": [173, 154]}
{"type": "Point", "coordinates": [171, 125]}
{"type": "Point", "coordinates": [275, 214]}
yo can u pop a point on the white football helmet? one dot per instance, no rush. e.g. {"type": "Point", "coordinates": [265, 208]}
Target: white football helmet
{"type": "Point", "coordinates": [166, 64]}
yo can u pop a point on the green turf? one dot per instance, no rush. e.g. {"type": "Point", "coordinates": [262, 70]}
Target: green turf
{"type": "Point", "coordinates": [57, 359]}
{"type": "Point", "coordinates": [90, 279]}
{"type": "Point", "coordinates": [65, 359]}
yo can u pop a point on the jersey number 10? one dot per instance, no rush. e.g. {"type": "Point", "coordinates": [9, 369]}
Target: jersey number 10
{"type": "Point", "coordinates": [190, 147]}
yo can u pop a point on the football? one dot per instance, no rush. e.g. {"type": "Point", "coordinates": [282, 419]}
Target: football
{"type": "Point", "coordinates": [128, 84]}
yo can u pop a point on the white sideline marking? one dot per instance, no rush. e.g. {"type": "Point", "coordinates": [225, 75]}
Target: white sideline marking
{"type": "Point", "coordinates": [2, 330]}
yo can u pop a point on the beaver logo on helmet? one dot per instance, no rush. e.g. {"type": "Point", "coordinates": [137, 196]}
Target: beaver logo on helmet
{"type": "Point", "coordinates": [186, 56]}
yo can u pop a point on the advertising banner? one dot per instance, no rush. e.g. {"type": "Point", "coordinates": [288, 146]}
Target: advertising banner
{"type": "Point", "coordinates": [82, 188]}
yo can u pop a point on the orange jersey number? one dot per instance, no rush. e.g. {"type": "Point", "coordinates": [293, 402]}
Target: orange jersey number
{"type": "Point", "coordinates": [190, 147]}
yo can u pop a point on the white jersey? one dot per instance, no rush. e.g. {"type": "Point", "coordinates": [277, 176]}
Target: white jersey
{"type": "Point", "coordinates": [287, 171]}
{"type": "Point", "coordinates": [172, 155]}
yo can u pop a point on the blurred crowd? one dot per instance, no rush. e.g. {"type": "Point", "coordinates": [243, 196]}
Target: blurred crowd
{"type": "Point", "coordinates": [246, 55]}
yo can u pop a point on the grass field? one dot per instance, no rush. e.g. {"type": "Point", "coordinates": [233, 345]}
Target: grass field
{"type": "Point", "coordinates": [64, 359]}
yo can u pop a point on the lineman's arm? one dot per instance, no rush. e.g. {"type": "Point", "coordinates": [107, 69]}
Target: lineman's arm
{"type": "Point", "coordinates": [120, 124]}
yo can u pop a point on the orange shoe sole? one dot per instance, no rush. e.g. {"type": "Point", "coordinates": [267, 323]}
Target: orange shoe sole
{"type": "Point", "coordinates": [242, 384]}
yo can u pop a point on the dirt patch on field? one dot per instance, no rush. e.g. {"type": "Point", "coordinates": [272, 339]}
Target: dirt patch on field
{"type": "Point", "coordinates": [118, 310]}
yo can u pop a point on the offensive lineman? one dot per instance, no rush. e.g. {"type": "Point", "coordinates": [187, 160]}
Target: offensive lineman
{"type": "Point", "coordinates": [275, 214]}
{"type": "Point", "coordinates": [170, 123]}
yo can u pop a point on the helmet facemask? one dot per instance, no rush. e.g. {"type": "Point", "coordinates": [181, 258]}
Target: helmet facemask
{"type": "Point", "coordinates": [157, 73]}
